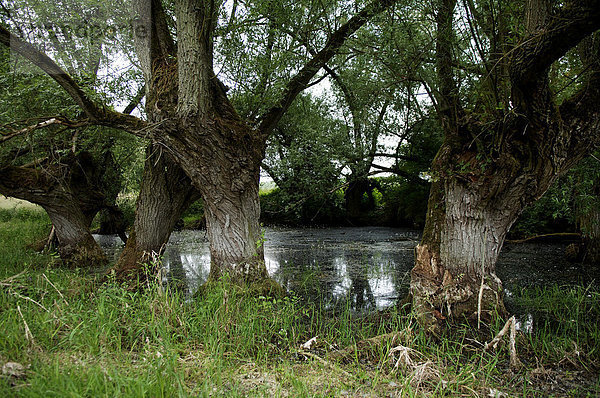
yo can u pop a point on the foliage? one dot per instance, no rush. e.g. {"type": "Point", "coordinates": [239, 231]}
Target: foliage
{"type": "Point", "coordinates": [403, 204]}
{"type": "Point", "coordinates": [564, 205]}
{"type": "Point", "coordinates": [81, 37]}
{"type": "Point", "coordinates": [279, 207]}
{"type": "Point", "coordinates": [301, 160]}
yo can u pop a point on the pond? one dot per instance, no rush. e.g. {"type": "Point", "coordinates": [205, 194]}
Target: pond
{"type": "Point", "coordinates": [367, 267]}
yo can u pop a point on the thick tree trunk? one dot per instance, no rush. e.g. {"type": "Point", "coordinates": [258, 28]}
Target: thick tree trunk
{"type": "Point", "coordinates": [490, 168]}
{"type": "Point", "coordinates": [225, 168]}
{"type": "Point", "coordinates": [471, 209]}
{"type": "Point", "coordinates": [72, 193]}
{"type": "Point", "coordinates": [234, 233]}
{"type": "Point", "coordinates": [219, 152]}
{"type": "Point", "coordinates": [77, 246]}
{"type": "Point", "coordinates": [166, 192]}
{"type": "Point", "coordinates": [455, 261]}
{"type": "Point", "coordinates": [355, 206]}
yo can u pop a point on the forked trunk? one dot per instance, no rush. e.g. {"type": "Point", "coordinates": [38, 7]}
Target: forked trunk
{"type": "Point", "coordinates": [455, 268]}
{"type": "Point", "coordinates": [219, 151]}
{"type": "Point", "coordinates": [165, 193]}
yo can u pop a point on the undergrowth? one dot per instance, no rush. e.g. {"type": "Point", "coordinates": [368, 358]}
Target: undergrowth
{"type": "Point", "coordinates": [75, 336]}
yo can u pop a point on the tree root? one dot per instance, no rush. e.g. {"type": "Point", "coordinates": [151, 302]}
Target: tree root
{"type": "Point", "coordinates": [511, 325]}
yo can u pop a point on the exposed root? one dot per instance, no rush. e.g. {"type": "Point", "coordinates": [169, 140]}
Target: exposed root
{"type": "Point", "coordinates": [404, 360]}
{"type": "Point", "coordinates": [424, 372]}
{"type": "Point", "coordinates": [51, 240]}
{"type": "Point", "coordinates": [515, 363]}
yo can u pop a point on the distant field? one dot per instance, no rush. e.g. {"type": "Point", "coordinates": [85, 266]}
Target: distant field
{"type": "Point", "coordinates": [11, 203]}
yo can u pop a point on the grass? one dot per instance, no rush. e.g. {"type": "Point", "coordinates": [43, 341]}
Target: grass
{"type": "Point", "coordinates": [88, 338]}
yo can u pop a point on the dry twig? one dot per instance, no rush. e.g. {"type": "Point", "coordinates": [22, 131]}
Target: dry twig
{"type": "Point", "coordinates": [29, 299]}
{"type": "Point", "coordinates": [58, 291]}
{"type": "Point", "coordinates": [510, 325]}
{"type": "Point", "coordinates": [8, 281]}
{"type": "Point", "coordinates": [28, 334]}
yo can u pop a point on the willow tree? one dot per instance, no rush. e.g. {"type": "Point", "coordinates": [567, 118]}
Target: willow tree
{"type": "Point", "coordinates": [192, 119]}
{"type": "Point", "coordinates": [72, 190]}
{"type": "Point", "coordinates": [46, 157]}
{"type": "Point", "coordinates": [504, 145]}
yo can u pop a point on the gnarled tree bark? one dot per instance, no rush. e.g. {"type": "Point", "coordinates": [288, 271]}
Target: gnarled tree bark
{"type": "Point", "coordinates": [191, 117]}
{"type": "Point", "coordinates": [165, 193]}
{"type": "Point", "coordinates": [72, 192]}
{"type": "Point", "coordinates": [219, 152]}
{"type": "Point", "coordinates": [480, 187]}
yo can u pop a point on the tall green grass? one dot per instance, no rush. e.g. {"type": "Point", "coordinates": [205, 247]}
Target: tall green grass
{"type": "Point", "coordinates": [88, 338]}
{"type": "Point", "coordinates": [18, 228]}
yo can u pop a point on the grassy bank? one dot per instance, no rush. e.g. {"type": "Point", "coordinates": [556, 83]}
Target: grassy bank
{"type": "Point", "coordinates": [75, 336]}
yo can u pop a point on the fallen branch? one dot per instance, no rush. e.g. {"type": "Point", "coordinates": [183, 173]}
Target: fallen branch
{"type": "Point", "coordinates": [511, 325]}
{"type": "Point", "coordinates": [52, 284]}
{"type": "Point", "coordinates": [557, 236]}
{"type": "Point", "coordinates": [52, 121]}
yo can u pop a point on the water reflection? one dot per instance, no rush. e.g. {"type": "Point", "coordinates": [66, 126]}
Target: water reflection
{"type": "Point", "coordinates": [364, 267]}
{"type": "Point", "coordinates": [367, 268]}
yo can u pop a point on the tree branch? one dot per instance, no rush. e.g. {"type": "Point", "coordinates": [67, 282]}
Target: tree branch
{"type": "Point", "coordinates": [152, 38]}
{"type": "Point", "coordinates": [46, 123]}
{"type": "Point", "coordinates": [448, 101]}
{"type": "Point", "coordinates": [135, 101]}
{"type": "Point", "coordinates": [350, 101]}
{"type": "Point", "coordinates": [298, 83]}
{"type": "Point", "coordinates": [581, 112]}
{"type": "Point", "coordinates": [196, 22]}
{"type": "Point", "coordinates": [397, 156]}
{"type": "Point", "coordinates": [530, 60]}
{"type": "Point", "coordinates": [401, 173]}
{"type": "Point", "coordinates": [96, 114]}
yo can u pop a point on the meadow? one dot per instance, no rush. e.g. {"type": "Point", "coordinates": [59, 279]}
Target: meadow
{"type": "Point", "coordinates": [69, 332]}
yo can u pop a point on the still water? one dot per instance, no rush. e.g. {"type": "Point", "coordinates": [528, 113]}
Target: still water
{"type": "Point", "coordinates": [368, 266]}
